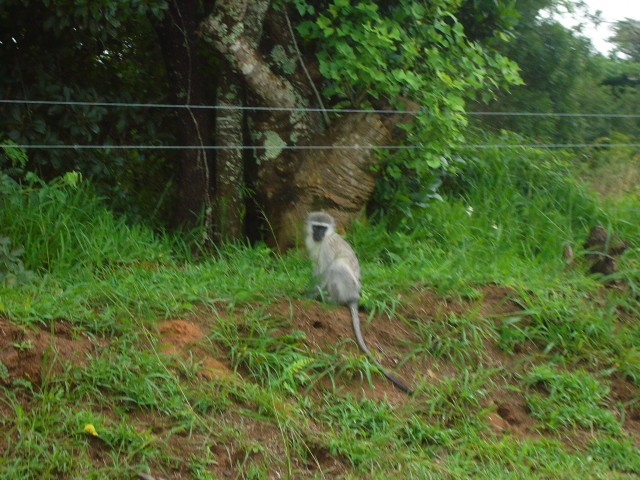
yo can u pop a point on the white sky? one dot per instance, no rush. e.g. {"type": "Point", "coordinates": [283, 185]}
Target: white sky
{"type": "Point", "coordinates": [612, 10]}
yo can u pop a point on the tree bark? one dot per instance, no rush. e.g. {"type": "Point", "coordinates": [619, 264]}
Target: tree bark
{"type": "Point", "coordinates": [229, 184]}
{"type": "Point", "coordinates": [339, 181]}
{"type": "Point", "coordinates": [176, 34]}
{"type": "Point", "coordinates": [227, 33]}
{"type": "Point", "coordinates": [230, 209]}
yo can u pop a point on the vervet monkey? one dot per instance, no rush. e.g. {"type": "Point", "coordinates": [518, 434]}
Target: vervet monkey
{"type": "Point", "coordinates": [337, 273]}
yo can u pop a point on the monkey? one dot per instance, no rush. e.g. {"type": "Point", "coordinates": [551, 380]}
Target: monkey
{"type": "Point", "coordinates": [337, 273]}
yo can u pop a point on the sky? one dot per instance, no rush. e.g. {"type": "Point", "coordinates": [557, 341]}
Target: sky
{"type": "Point", "coordinates": [612, 10]}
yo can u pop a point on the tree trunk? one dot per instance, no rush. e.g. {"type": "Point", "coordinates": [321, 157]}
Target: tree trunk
{"type": "Point", "coordinates": [230, 208]}
{"type": "Point", "coordinates": [289, 183]}
{"type": "Point", "coordinates": [229, 185]}
{"type": "Point", "coordinates": [339, 181]}
{"type": "Point", "coordinates": [176, 34]}
{"type": "Point", "coordinates": [240, 51]}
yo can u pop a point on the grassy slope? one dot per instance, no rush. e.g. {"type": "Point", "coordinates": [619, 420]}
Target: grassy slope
{"type": "Point", "coordinates": [567, 353]}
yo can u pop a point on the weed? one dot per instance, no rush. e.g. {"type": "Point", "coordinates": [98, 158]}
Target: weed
{"type": "Point", "coordinates": [619, 453]}
{"type": "Point", "coordinates": [459, 339]}
{"type": "Point", "coordinates": [457, 402]}
{"type": "Point", "coordinates": [563, 399]}
{"type": "Point", "coordinates": [274, 358]}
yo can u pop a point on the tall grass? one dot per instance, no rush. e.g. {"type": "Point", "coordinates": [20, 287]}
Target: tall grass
{"type": "Point", "coordinates": [97, 268]}
{"type": "Point", "coordinates": [64, 227]}
{"type": "Point", "coordinates": [506, 217]}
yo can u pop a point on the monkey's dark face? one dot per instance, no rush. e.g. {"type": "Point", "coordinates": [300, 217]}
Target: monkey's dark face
{"type": "Point", "coordinates": [318, 232]}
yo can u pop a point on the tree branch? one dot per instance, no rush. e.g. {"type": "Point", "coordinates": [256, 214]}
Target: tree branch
{"type": "Point", "coordinates": [228, 36]}
{"type": "Point", "coordinates": [304, 69]}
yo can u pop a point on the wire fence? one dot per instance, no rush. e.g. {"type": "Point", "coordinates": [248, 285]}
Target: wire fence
{"type": "Point", "coordinates": [312, 110]}
{"type": "Point", "coordinates": [320, 147]}
{"type": "Point", "coordinates": [306, 109]}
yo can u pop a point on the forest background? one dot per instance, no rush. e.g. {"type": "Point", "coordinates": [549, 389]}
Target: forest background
{"type": "Point", "coordinates": [440, 61]}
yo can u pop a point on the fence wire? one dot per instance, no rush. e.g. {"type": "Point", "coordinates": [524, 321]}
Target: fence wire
{"type": "Point", "coordinates": [312, 110]}
{"type": "Point", "coordinates": [319, 147]}
{"type": "Point", "coordinates": [306, 109]}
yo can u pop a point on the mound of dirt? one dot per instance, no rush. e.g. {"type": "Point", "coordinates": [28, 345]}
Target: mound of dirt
{"type": "Point", "coordinates": [34, 354]}
{"type": "Point", "coordinates": [328, 328]}
{"type": "Point", "coordinates": [184, 339]}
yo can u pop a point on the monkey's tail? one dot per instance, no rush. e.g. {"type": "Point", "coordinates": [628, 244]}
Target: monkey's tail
{"type": "Point", "coordinates": [355, 320]}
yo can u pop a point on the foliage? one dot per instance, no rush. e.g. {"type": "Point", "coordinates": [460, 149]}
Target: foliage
{"type": "Point", "coordinates": [406, 50]}
{"type": "Point", "coordinates": [533, 188]}
{"type": "Point", "coordinates": [12, 159]}
{"type": "Point", "coordinates": [102, 52]}
{"type": "Point", "coordinates": [563, 74]}
{"type": "Point", "coordinates": [626, 36]}
{"type": "Point", "coordinates": [488, 19]}
{"type": "Point", "coordinates": [372, 54]}
{"type": "Point", "coordinates": [438, 57]}
{"type": "Point", "coordinates": [105, 51]}
{"type": "Point", "coordinates": [556, 79]}
{"type": "Point", "coordinates": [12, 270]}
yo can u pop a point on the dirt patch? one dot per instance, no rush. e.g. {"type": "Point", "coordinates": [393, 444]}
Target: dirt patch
{"type": "Point", "coordinates": [390, 339]}
{"type": "Point", "coordinates": [178, 334]}
{"type": "Point", "coordinates": [497, 302]}
{"type": "Point", "coordinates": [511, 414]}
{"type": "Point", "coordinates": [184, 338]}
{"type": "Point", "coordinates": [328, 328]}
{"type": "Point", "coordinates": [491, 301]}
{"type": "Point", "coordinates": [37, 353]}
{"type": "Point", "coordinates": [627, 396]}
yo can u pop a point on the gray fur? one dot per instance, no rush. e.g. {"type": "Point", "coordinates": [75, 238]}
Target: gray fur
{"type": "Point", "coordinates": [337, 274]}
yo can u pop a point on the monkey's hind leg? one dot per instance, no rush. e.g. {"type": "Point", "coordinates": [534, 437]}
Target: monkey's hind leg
{"type": "Point", "coordinates": [316, 293]}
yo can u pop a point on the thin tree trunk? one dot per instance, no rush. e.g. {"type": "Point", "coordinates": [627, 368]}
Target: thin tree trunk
{"type": "Point", "coordinates": [229, 185]}
{"type": "Point", "coordinates": [230, 209]}
{"type": "Point", "coordinates": [176, 34]}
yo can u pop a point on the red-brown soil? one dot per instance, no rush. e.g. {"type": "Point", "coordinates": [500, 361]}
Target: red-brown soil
{"type": "Point", "coordinates": [34, 354]}
{"type": "Point", "coordinates": [184, 338]}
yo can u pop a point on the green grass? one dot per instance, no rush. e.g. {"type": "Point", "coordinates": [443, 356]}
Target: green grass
{"type": "Point", "coordinates": [457, 339]}
{"type": "Point", "coordinates": [287, 410]}
{"type": "Point", "coordinates": [562, 399]}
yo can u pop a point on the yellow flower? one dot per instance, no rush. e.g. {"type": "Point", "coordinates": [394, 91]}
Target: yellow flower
{"type": "Point", "coordinates": [91, 430]}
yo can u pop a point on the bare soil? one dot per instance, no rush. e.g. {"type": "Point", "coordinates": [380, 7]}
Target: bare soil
{"type": "Point", "coordinates": [34, 354]}
{"type": "Point", "coordinates": [183, 338]}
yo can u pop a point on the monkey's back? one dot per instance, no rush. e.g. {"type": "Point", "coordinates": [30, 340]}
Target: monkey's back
{"type": "Point", "coordinates": [340, 270]}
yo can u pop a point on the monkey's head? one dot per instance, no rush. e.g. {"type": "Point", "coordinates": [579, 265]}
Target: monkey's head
{"type": "Point", "coordinates": [320, 224]}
